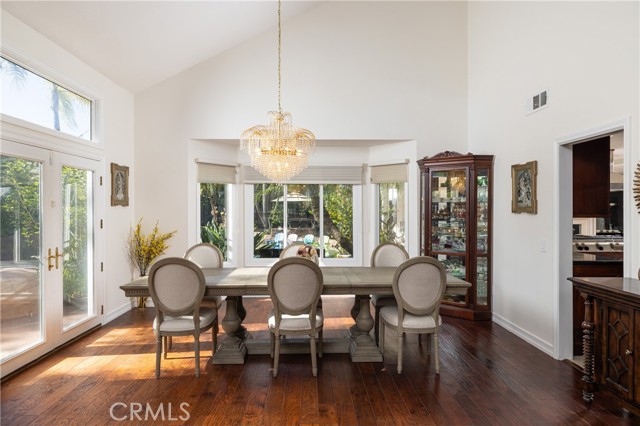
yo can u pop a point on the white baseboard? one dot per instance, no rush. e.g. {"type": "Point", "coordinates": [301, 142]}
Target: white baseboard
{"type": "Point", "coordinates": [116, 313]}
{"type": "Point", "coordinates": [544, 346]}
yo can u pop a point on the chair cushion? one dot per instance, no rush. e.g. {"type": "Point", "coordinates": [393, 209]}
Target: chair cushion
{"type": "Point", "coordinates": [295, 322]}
{"type": "Point", "coordinates": [185, 323]}
{"type": "Point", "coordinates": [383, 300]}
{"type": "Point", "coordinates": [389, 314]}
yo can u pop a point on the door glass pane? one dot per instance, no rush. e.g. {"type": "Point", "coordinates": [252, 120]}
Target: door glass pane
{"type": "Point", "coordinates": [77, 248]}
{"type": "Point", "coordinates": [20, 273]}
{"type": "Point", "coordinates": [268, 220]}
{"type": "Point", "coordinates": [213, 215]}
{"type": "Point", "coordinates": [337, 221]}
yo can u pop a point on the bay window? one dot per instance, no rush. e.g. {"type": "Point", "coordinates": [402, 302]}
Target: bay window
{"type": "Point", "coordinates": [324, 215]}
{"type": "Point", "coordinates": [214, 198]}
{"type": "Point", "coordinates": [390, 182]}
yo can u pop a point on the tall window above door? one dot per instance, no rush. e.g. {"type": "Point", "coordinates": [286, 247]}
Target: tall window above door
{"type": "Point", "coordinates": [390, 181]}
{"type": "Point", "coordinates": [41, 101]}
{"type": "Point", "coordinates": [214, 189]}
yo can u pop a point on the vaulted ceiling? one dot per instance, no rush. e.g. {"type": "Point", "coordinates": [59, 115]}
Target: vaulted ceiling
{"type": "Point", "coordinates": [138, 44]}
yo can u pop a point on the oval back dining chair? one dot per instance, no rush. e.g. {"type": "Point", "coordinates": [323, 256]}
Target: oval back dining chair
{"type": "Point", "coordinates": [418, 286]}
{"type": "Point", "coordinates": [206, 255]}
{"type": "Point", "coordinates": [177, 286]}
{"type": "Point", "coordinates": [295, 285]}
{"type": "Point", "coordinates": [385, 254]}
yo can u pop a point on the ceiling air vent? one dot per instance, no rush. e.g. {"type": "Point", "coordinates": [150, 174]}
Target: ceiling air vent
{"type": "Point", "coordinates": [537, 101]}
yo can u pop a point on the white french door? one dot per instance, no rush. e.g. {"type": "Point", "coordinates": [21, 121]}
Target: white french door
{"type": "Point", "coordinates": [48, 268]}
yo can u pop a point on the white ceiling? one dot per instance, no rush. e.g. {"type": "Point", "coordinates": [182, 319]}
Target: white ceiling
{"type": "Point", "coordinates": [138, 44]}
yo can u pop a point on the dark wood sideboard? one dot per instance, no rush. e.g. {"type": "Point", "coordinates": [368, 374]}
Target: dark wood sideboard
{"type": "Point", "coordinates": [611, 335]}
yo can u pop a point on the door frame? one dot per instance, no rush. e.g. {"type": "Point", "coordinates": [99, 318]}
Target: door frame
{"type": "Point", "coordinates": [49, 141]}
{"type": "Point", "coordinates": [563, 217]}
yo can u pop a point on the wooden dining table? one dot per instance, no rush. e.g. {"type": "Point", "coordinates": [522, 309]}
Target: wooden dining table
{"type": "Point", "coordinates": [234, 283]}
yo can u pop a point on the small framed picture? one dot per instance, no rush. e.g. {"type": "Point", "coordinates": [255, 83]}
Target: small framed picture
{"type": "Point", "coordinates": [523, 188]}
{"type": "Point", "coordinates": [119, 185]}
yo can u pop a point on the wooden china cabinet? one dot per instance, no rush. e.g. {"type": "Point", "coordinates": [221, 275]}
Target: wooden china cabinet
{"type": "Point", "coordinates": [455, 226]}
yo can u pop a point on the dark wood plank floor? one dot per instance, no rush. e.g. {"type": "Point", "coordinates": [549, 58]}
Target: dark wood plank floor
{"type": "Point", "coordinates": [487, 377]}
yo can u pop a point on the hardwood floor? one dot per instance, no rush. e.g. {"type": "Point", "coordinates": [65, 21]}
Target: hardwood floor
{"type": "Point", "coordinates": [487, 377]}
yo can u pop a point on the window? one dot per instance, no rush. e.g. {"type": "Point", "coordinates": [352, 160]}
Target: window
{"type": "Point", "coordinates": [391, 213]}
{"type": "Point", "coordinates": [320, 215]}
{"type": "Point", "coordinates": [214, 184]}
{"type": "Point", "coordinates": [390, 180]}
{"type": "Point", "coordinates": [35, 99]}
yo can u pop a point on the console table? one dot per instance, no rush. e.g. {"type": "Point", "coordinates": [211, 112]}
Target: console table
{"type": "Point", "coordinates": [237, 282]}
{"type": "Point", "coordinates": [611, 335]}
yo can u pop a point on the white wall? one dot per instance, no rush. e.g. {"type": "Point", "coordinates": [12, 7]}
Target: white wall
{"type": "Point", "coordinates": [115, 134]}
{"type": "Point", "coordinates": [586, 55]}
{"type": "Point", "coordinates": [352, 70]}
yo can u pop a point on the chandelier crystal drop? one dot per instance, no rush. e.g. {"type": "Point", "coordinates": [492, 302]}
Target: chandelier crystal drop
{"type": "Point", "coordinates": [278, 150]}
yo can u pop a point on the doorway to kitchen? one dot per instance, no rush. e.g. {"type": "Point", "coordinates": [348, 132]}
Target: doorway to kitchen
{"type": "Point", "coordinates": [564, 221]}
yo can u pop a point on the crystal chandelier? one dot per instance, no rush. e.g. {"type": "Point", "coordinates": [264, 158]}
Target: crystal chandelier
{"type": "Point", "coordinates": [278, 150]}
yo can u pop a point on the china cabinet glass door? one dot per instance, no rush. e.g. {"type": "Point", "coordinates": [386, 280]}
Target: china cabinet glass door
{"type": "Point", "coordinates": [482, 236]}
{"type": "Point", "coordinates": [448, 237]}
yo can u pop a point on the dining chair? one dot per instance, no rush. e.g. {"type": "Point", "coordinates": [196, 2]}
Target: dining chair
{"type": "Point", "coordinates": [418, 286]}
{"type": "Point", "coordinates": [385, 254]}
{"type": "Point", "coordinates": [295, 285]}
{"type": "Point", "coordinates": [177, 286]}
{"type": "Point", "coordinates": [206, 255]}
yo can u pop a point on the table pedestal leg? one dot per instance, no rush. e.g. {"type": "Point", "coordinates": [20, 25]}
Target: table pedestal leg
{"type": "Point", "coordinates": [232, 350]}
{"type": "Point", "coordinates": [363, 347]}
{"type": "Point", "coordinates": [588, 350]}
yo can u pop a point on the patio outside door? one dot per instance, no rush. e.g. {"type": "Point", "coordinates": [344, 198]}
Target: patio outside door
{"type": "Point", "coordinates": [47, 265]}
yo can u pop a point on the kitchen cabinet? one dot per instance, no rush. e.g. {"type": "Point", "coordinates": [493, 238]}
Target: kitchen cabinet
{"type": "Point", "coordinates": [591, 179]}
{"type": "Point", "coordinates": [455, 226]}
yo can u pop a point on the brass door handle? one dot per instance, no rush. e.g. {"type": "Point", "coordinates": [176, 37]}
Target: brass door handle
{"type": "Point", "coordinates": [628, 352]}
{"type": "Point", "coordinates": [55, 256]}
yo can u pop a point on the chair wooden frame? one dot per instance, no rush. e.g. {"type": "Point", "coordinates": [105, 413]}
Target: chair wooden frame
{"type": "Point", "coordinates": [167, 313]}
{"type": "Point", "coordinates": [305, 309]}
{"type": "Point", "coordinates": [405, 306]}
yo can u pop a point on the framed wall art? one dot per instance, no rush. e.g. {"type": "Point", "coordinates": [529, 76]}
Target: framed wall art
{"type": "Point", "coordinates": [119, 185]}
{"type": "Point", "coordinates": [523, 188]}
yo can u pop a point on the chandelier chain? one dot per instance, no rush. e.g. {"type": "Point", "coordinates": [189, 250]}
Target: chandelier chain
{"type": "Point", "coordinates": [278, 150]}
{"type": "Point", "coordinates": [279, 53]}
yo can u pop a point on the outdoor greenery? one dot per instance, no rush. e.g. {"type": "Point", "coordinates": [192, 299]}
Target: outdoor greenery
{"type": "Point", "coordinates": [213, 218]}
{"type": "Point", "coordinates": [75, 188]}
{"type": "Point", "coordinates": [337, 214]}
{"type": "Point", "coordinates": [19, 208]}
{"type": "Point", "coordinates": [338, 204]}
{"type": "Point", "coordinates": [215, 234]}
{"type": "Point", "coordinates": [389, 230]}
